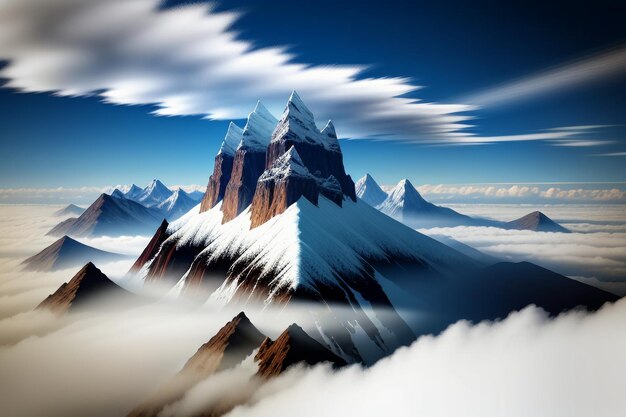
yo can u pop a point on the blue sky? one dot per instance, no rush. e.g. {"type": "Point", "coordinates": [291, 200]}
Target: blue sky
{"type": "Point", "coordinates": [455, 50]}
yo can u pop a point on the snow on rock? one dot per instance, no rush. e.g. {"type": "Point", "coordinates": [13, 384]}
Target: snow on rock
{"type": "Point", "coordinates": [155, 193]}
{"type": "Point", "coordinates": [176, 205]}
{"type": "Point", "coordinates": [231, 140]}
{"type": "Point", "coordinates": [258, 130]}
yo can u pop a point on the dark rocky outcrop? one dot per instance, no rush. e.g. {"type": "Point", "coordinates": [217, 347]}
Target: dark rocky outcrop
{"type": "Point", "coordinates": [293, 346]}
{"type": "Point", "coordinates": [229, 347]}
{"type": "Point", "coordinates": [222, 168]}
{"type": "Point", "coordinates": [248, 166]}
{"type": "Point", "coordinates": [87, 286]}
{"type": "Point", "coordinates": [153, 247]}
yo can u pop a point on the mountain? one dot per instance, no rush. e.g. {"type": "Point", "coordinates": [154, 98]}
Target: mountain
{"type": "Point", "coordinates": [118, 194]}
{"type": "Point", "coordinates": [404, 203]}
{"type": "Point", "coordinates": [248, 163]}
{"type": "Point", "coordinates": [222, 167]}
{"type": "Point", "coordinates": [63, 227]}
{"type": "Point", "coordinates": [67, 253]}
{"type": "Point", "coordinates": [196, 196]}
{"type": "Point", "coordinates": [176, 205]}
{"type": "Point", "coordinates": [291, 347]}
{"type": "Point", "coordinates": [69, 211]}
{"type": "Point", "coordinates": [369, 191]}
{"type": "Point", "coordinates": [304, 237]}
{"type": "Point", "coordinates": [133, 192]}
{"type": "Point", "coordinates": [110, 216]}
{"type": "Point", "coordinates": [82, 291]}
{"type": "Point", "coordinates": [154, 194]}
{"type": "Point", "coordinates": [538, 222]}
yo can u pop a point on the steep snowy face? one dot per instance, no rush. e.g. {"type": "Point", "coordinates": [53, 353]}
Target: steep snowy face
{"type": "Point", "coordinates": [258, 130]}
{"type": "Point", "coordinates": [404, 197]}
{"type": "Point", "coordinates": [369, 191]}
{"type": "Point", "coordinates": [231, 140]}
{"type": "Point", "coordinates": [298, 123]}
{"type": "Point", "coordinates": [154, 194]}
{"type": "Point", "coordinates": [176, 205]}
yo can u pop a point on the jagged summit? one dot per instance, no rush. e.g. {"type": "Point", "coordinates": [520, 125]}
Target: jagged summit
{"type": "Point", "coordinates": [133, 192]}
{"type": "Point", "coordinates": [177, 204]}
{"type": "Point", "coordinates": [538, 222]}
{"type": "Point", "coordinates": [403, 196]}
{"type": "Point", "coordinates": [155, 193]}
{"type": "Point", "coordinates": [298, 123]}
{"type": "Point", "coordinates": [231, 140]}
{"type": "Point", "coordinates": [258, 130]}
{"type": "Point", "coordinates": [368, 190]}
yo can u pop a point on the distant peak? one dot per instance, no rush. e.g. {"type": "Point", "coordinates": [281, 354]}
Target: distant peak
{"type": "Point", "coordinates": [296, 108]}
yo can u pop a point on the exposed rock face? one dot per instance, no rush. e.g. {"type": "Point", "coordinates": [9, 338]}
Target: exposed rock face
{"type": "Point", "coordinates": [248, 166]}
{"type": "Point", "coordinates": [66, 253]}
{"type": "Point", "coordinates": [63, 227]}
{"type": "Point", "coordinates": [249, 162]}
{"type": "Point", "coordinates": [88, 284]}
{"type": "Point", "coordinates": [153, 247]}
{"type": "Point", "coordinates": [291, 347]}
{"type": "Point", "coordinates": [319, 151]}
{"type": "Point", "coordinates": [229, 347]}
{"type": "Point", "coordinates": [222, 168]}
{"type": "Point", "coordinates": [281, 186]}
{"type": "Point", "coordinates": [538, 222]}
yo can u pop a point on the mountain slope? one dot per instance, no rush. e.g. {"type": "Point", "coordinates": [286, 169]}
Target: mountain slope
{"type": "Point", "coordinates": [368, 190]}
{"type": "Point", "coordinates": [538, 222]}
{"type": "Point", "coordinates": [66, 253]}
{"type": "Point", "coordinates": [154, 194]}
{"type": "Point", "coordinates": [110, 216]}
{"type": "Point", "coordinates": [229, 347]}
{"type": "Point", "coordinates": [70, 210]}
{"type": "Point", "coordinates": [291, 347]}
{"type": "Point", "coordinates": [82, 291]}
{"type": "Point", "coordinates": [176, 205]}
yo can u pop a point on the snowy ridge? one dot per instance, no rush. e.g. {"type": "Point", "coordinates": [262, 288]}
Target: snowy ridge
{"type": "Point", "coordinates": [287, 165]}
{"type": "Point", "coordinates": [368, 190]}
{"type": "Point", "coordinates": [298, 123]}
{"type": "Point", "coordinates": [231, 140]}
{"type": "Point", "coordinates": [403, 195]}
{"type": "Point", "coordinates": [177, 204]}
{"type": "Point", "coordinates": [258, 130]}
{"type": "Point", "coordinates": [133, 192]}
{"type": "Point", "coordinates": [154, 194]}
{"type": "Point", "coordinates": [309, 244]}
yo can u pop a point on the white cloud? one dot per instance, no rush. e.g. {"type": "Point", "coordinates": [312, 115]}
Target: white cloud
{"type": "Point", "coordinates": [576, 73]}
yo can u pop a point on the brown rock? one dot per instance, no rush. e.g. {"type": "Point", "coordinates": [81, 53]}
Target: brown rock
{"type": "Point", "coordinates": [153, 247]}
{"type": "Point", "coordinates": [248, 166]}
{"type": "Point", "coordinates": [218, 181]}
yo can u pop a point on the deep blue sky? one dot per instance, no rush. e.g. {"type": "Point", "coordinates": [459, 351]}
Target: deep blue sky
{"type": "Point", "coordinates": [452, 48]}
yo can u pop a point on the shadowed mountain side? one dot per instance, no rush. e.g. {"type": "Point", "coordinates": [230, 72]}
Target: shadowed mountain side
{"type": "Point", "coordinates": [85, 290]}
{"type": "Point", "coordinates": [229, 347]}
{"type": "Point", "coordinates": [293, 346]}
{"type": "Point", "coordinates": [538, 222]}
{"type": "Point", "coordinates": [67, 253]}
{"type": "Point", "coordinates": [110, 216]}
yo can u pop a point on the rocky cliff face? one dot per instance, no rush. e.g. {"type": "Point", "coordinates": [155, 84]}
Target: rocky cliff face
{"type": "Point", "coordinates": [291, 347]}
{"type": "Point", "coordinates": [319, 150]}
{"type": "Point", "coordinates": [153, 247]}
{"type": "Point", "coordinates": [222, 168]}
{"type": "Point", "coordinates": [249, 162]}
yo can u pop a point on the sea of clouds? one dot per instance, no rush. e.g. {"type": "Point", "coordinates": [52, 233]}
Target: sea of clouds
{"type": "Point", "coordinates": [92, 364]}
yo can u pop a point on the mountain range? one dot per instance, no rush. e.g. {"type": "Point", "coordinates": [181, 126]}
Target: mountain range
{"type": "Point", "coordinates": [289, 228]}
{"type": "Point", "coordinates": [134, 212]}
{"type": "Point", "coordinates": [404, 203]}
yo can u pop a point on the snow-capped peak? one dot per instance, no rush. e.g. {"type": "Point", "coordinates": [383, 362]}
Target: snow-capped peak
{"type": "Point", "coordinates": [231, 140]}
{"type": "Point", "coordinates": [298, 123]}
{"type": "Point", "coordinates": [155, 193]}
{"type": "Point", "coordinates": [133, 192]}
{"type": "Point", "coordinates": [402, 195]}
{"type": "Point", "coordinates": [368, 190]}
{"type": "Point", "coordinates": [258, 129]}
{"type": "Point", "coordinates": [288, 164]}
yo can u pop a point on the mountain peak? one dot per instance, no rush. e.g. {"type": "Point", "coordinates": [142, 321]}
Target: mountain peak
{"type": "Point", "coordinates": [368, 190]}
{"type": "Point", "coordinates": [288, 164]}
{"type": "Point", "coordinates": [538, 222]}
{"type": "Point", "coordinates": [231, 140]}
{"type": "Point", "coordinates": [258, 129]}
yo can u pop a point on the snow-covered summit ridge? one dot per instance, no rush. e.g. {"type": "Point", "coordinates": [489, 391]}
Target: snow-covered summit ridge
{"type": "Point", "coordinates": [403, 194]}
{"type": "Point", "coordinates": [287, 165]}
{"type": "Point", "coordinates": [298, 123]}
{"type": "Point", "coordinates": [231, 140]}
{"type": "Point", "coordinates": [258, 129]}
{"type": "Point", "coordinates": [154, 194]}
